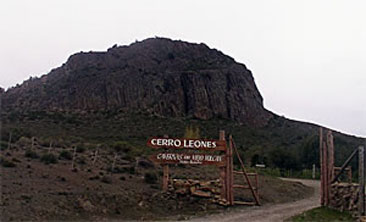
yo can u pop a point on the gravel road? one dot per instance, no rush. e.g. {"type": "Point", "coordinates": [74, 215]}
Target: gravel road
{"type": "Point", "coordinates": [271, 213]}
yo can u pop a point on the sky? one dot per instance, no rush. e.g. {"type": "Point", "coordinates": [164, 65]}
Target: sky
{"type": "Point", "coordinates": [308, 57]}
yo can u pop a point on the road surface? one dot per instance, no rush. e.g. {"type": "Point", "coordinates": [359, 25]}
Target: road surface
{"type": "Point", "coordinates": [270, 213]}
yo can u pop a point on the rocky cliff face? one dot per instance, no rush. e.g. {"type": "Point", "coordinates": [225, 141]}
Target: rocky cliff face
{"type": "Point", "coordinates": [160, 76]}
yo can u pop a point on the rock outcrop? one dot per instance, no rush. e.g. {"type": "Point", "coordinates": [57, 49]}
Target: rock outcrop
{"type": "Point", "coordinates": [159, 76]}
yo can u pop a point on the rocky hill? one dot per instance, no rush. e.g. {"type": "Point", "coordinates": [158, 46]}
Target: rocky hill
{"type": "Point", "coordinates": [159, 76]}
{"type": "Point", "coordinates": [157, 87]}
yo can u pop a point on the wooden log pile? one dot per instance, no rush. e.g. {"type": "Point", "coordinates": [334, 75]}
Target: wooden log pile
{"type": "Point", "coordinates": [344, 196]}
{"type": "Point", "coordinates": [205, 189]}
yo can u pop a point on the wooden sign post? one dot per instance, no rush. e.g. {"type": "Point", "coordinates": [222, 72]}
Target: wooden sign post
{"type": "Point", "coordinates": [230, 173]}
{"type": "Point", "coordinates": [165, 177]}
{"type": "Point", "coordinates": [224, 162]}
{"type": "Point", "coordinates": [223, 171]}
{"type": "Point", "coordinates": [362, 166]}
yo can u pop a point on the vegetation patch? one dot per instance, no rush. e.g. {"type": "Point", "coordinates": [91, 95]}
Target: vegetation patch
{"type": "Point", "coordinates": [322, 214]}
{"type": "Point", "coordinates": [49, 158]}
{"type": "Point", "coordinates": [150, 178]}
{"type": "Point", "coordinates": [106, 179]}
{"type": "Point", "coordinates": [31, 154]}
{"type": "Point", "coordinates": [7, 163]}
{"type": "Point", "coordinates": [65, 155]}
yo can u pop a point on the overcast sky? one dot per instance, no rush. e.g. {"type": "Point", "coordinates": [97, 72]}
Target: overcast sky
{"type": "Point", "coordinates": [308, 57]}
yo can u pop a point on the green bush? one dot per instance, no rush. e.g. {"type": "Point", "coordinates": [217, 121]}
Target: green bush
{"type": "Point", "coordinates": [49, 158]}
{"type": "Point", "coordinates": [3, 145]}
{"type": "Point", "coordinates": [24, 141]}
{"type": "Point", "coordinates": [81, 160]}
{"type": "Point", "coordinates": [192, 133]}
{"type": "Point", "coordinates": [275, 172]}
{"type": "Point", "coordinates": [65, 155]}
{"type": "Point", "coordinates": [150, 178]}
{"type": "Point", "coordinates": [106, 179]}
{"type": "Point", "coordinates": [7, 163]}
{"type": "Point", "coordinates": [15, 160]}
{"type": "Point", "coordinates": [31, 154]}
{"type": "Point", "coordinates": [45, 142]}
{"type": "Point", "coordinates": [80, 149]}
{"type": "Point", "coordinates": [131, 170]}
{"type": "Point", "coordinates": [122, 146]}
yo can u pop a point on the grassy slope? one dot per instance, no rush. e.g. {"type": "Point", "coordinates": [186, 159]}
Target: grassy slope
{"type": "Point", "coordinates": [283, 143]}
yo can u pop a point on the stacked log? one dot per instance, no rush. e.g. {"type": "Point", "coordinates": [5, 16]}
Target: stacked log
{"type": "Point", "coordinates": [205, 189]}
{"type": "Point", "coordinates": [344, 196]}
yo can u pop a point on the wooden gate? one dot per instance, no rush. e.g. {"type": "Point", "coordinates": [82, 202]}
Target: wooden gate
{"type": "Point", "coordinates": [330, 174]}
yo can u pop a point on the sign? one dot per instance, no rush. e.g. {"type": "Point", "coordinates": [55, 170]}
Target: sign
{"type": "Point", "coordinates": [188, 158]}
{"type": "Point", "coordinates": [193, 144]}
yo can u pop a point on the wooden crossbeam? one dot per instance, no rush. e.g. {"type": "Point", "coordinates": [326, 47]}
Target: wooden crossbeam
{"type": "Point", "coordinates": [249, 174]}
{"type": "Point", "coordinates": [244, 203]}
{"type": "Point", "coordinates": [345, 165]}
{"type": "Point", "coordinates": [243, 186]}
{"type": "Point", "coordinates": [245, 175]}
{"type": "Point", "coordinates": [362, 175]}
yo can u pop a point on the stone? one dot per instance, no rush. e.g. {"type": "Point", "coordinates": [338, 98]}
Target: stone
{"type": "Point", "coordinates": [85, 204]}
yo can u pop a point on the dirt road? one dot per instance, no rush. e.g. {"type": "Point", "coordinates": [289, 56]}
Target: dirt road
{"type": "Point", "coordinates": [271, 213]}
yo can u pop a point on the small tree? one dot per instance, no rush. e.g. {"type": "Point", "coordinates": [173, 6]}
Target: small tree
{"type": "Point", "coordinates": [192, 133]}
{"type": "Point", "coordinates": [150, 178]}
{"type": "Point", "coordinates": [66, 155]}
{"type": "Point", "coordinates": [48, 158]}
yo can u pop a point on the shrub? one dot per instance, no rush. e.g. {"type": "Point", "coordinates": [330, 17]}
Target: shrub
{"type": "Point", "coordinates": [94, 177]}
{"type": "Point", "coordinates": [116, 170]}
{"type": "Point", "coordinates": [150, 178]}
{"type": "Point", "coordinates": [65, 155]}
{"type": "Point", "coordinates": [80, 149]}
{"type": "Point", "coordinates": [81, 160]}
{"type": "Point", "coordinates": [192, 133]}
{"type": "Point", "coordinates": [24, 141]}
{"type": "Point", "coordinates": [131, 170]}
{"type": "Point", "coordinates": [45, 142]}
{"type": "Point", "coordinates": [31, 154]}
{"type": "Point", "coordinates": [7, 163]}
{"type": "Point", "coordinates": [154, 187]}
{"type": "Point", "coordinates": [16, 160]}
{"type": "Point", "coordinates": [106, 179]}
{"type": "Point", "coordinates": [49, 158]}
{"type": "Point", "coordinates": [3, 145]}
{"type": "Point", "coordinates": [122, 146]}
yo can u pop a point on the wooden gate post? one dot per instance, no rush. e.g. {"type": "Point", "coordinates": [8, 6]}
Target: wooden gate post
{"type": "Point", "coordinates": [330, 168]}
{"type": "Point", "coordinates": [361, 204]}
{"type": "Point", "coordinates": [330, 146]}
{"type": "Point", "coordinates": [223, 171]}
{"type": "Point", "coordinates": [326, 172]}
{"type": "Point", "coordinates": [230, 172]}
{"type": "Point", "coordinates": [321, 166]}
{"type": "Point", "coordinates": [32, 143]}
{"type": "Point", "coordinates": [9, 144]}
{"type": "Point", "coordinates": [165, 177]}
{"type": "Point", "coordinates": [326, 151]}
{"type": "Point", "coordinates": [165, 173]}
